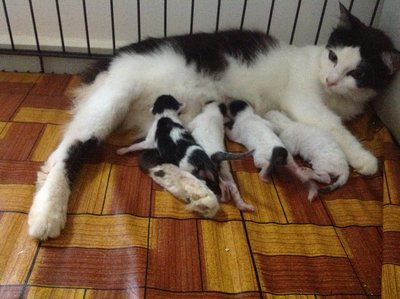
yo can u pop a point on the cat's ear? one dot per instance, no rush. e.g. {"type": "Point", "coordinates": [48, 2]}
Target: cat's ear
{"type": "Point", "coordinates": [392, 60]}
{"type": "Point", "coordinates": [346, 19]}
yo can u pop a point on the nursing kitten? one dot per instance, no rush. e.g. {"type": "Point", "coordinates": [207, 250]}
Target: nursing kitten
{"type": "Point", "coordinates": [317, 85]}
{"type": "Point", "coordinates": [207, 128]}
{"type": "Point", "coordinates": [177, 146]}
{"type": "Point", "coordinates": [314, 145]}
{"type": "Point", "coordinates": [254, 132]}
{"type": "Point", "coordinates": [182, 184]}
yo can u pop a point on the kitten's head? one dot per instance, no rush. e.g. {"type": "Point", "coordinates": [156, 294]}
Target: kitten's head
{"type": "Point", "coordinates": [237, 106]}
{"type": "Point", "coordinates": [166, 102]}
{"type": "Point", "coordinates": [358, 60]}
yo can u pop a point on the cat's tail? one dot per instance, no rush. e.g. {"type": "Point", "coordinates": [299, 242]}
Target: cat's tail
{"type": "Point", "coordinates": [341, 180]}
{"type": "Point", "coordinates": [221, 156]}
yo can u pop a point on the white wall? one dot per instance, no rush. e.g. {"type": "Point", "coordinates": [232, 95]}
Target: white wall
{"type": "Point", "coordinates": [152, 23]}
{"type": "Point", "coordinates": [388, 105]}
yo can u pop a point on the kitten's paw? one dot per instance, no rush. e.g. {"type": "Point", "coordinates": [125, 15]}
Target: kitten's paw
{"type": "Point", "coordinates": [324, 178]}
{"type": "Point", "coordinates": [245, 207]}
{"type": "Point", "coordinates": [122, 151]}
{"type": "Point", "coordinates": [365, 163]}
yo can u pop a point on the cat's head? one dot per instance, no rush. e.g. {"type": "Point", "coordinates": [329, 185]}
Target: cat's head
{"type": "Point", "coordinates": [358, 60]}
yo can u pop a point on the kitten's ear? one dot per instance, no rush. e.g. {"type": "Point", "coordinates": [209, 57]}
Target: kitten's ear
{"type": "Point", "coordinates": [181, 106]}
{"type": "Point", "coordinates": [392, 60]}
{"type": "Point", "coordinates": [346, 19]}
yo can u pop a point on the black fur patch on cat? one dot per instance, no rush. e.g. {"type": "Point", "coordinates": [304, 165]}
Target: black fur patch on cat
{"type": "Point", "coordinates": [165, 102]}
{"type": "Point", "coordinates": [206, 50]}
{"type": "Point", "coordinates": [372, 72]}
{"type": "Point", "coordinates": [237, 106]}
{"type": "Point", "coordinates": [89, 74]}
{"type": "Point", "coordinates": [77, 154]}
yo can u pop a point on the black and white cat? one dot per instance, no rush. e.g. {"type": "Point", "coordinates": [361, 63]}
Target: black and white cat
{"type": "Point", "coordinates": [317, 85]}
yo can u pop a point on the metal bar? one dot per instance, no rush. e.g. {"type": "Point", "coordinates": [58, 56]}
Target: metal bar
{"type": "Point", "coordinates": [138, 20]}
{"type": "Point", "coordinates": [218, 15]}
{"type": "Point", "coordinates": [295, 21]}
{"type": "Point", "coordinates": [86, 26]}
{"type": "Point", "coordinates": [60, 26]}
{"type": "Point", "coordinates": [112, 24]}
{"type": "Point", "coordinates": [8, 25]}
{"type": "Point", "coordinates": [36, 35]}
{"type": "Point", "coordinates": [270, 16]}
{"type": "Point", "coordinates": [321, 19]}
{"type": "Point", "coordinates": [243, 14]}
{"type": "Point", "coordinates": [165, 17]}
{"type": "Point", "coordinates": [53, 54]}
{"type": "Point", "coordinates": [191, 17]}
{"type": "Point", "coordinates": [351, 5]}
{"type": "Point", "coordinates": [374, 13]}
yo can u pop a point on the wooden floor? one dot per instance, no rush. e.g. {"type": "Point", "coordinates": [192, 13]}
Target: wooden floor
{"type": "Point", "coordinates": [127, 238]}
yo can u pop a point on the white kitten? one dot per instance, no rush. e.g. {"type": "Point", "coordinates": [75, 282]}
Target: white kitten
{"type": "Point", "coordinates": [256, 133]}
{"type": "Point", "coordinates": [208, 130]}
{"type": "Point", "coordinates": [314, 145]}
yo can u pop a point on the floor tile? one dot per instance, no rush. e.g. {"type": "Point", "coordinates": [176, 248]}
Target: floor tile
{"type": "Point", "coordinates": [103, 268]}
{"type": "Point", "coordinates": [17, 248]}
{"type": "Point", "coordinates": [108, 232]}
{"type": "Point", "coordinates": [174, 260]}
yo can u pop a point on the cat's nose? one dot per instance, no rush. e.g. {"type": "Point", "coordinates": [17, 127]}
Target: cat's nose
{"type": "Point", "coordinates": [330, 83]}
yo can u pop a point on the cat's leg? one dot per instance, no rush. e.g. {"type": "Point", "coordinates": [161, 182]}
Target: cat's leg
{"type": "Point", "coordinates": [314, 112]}
{"type": "Point", "coordinates": [101, 109]}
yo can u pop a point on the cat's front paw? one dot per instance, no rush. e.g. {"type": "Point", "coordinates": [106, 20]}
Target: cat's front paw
{"type": "Point", "coordinates": [365, 163]}
{"type": "Point", "coordinates": [48, 213]}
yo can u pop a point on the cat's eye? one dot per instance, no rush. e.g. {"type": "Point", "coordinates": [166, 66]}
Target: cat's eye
{"type": "Point", "coordinates": [332, 56]}
{"type": "Point", "coordinates": [356, 74]}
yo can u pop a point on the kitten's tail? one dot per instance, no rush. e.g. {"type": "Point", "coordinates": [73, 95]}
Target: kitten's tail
{"type": "Point", "coordinates": [341, 180]}
{"type": "Point", "coordinates": [221, 156]}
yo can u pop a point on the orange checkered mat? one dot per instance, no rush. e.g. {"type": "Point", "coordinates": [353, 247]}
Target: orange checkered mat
{"type": "Point", "coordinates": [127, 238]}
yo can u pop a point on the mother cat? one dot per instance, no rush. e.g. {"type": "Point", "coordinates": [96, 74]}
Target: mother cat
{"type": "Point", "coordinates": [320, 86]}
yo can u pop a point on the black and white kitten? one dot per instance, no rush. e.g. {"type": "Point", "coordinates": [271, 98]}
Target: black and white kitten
{"type": "Point", "coordinates": [177, 146]}
{"type": "Point", "coordinates": [320, 86]}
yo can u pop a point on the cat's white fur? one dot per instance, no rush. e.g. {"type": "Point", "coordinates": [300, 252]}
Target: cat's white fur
{"type": "Point", "coordinates": [255, 133]}
{"type": "Point", "coordinates": [288, 78]}
{"type": "Point", "coordinates": [207, 128]}
{"type": "Point", "coordinates": [314, 145]}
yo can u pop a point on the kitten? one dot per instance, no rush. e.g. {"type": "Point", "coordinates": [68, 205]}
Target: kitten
{"type": "Point", "coordinates": [177, 146]}
{"type": "Point", "coordinates": [316, 85]}
{"type": "Point", "coordinates": [254, 132]}
{"type": "Point", "coordinates": [182, 184]}
{"type": "Point", "coordinates": [207, 128]}
{"type": "Point", "coordinates": [313, 145]}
